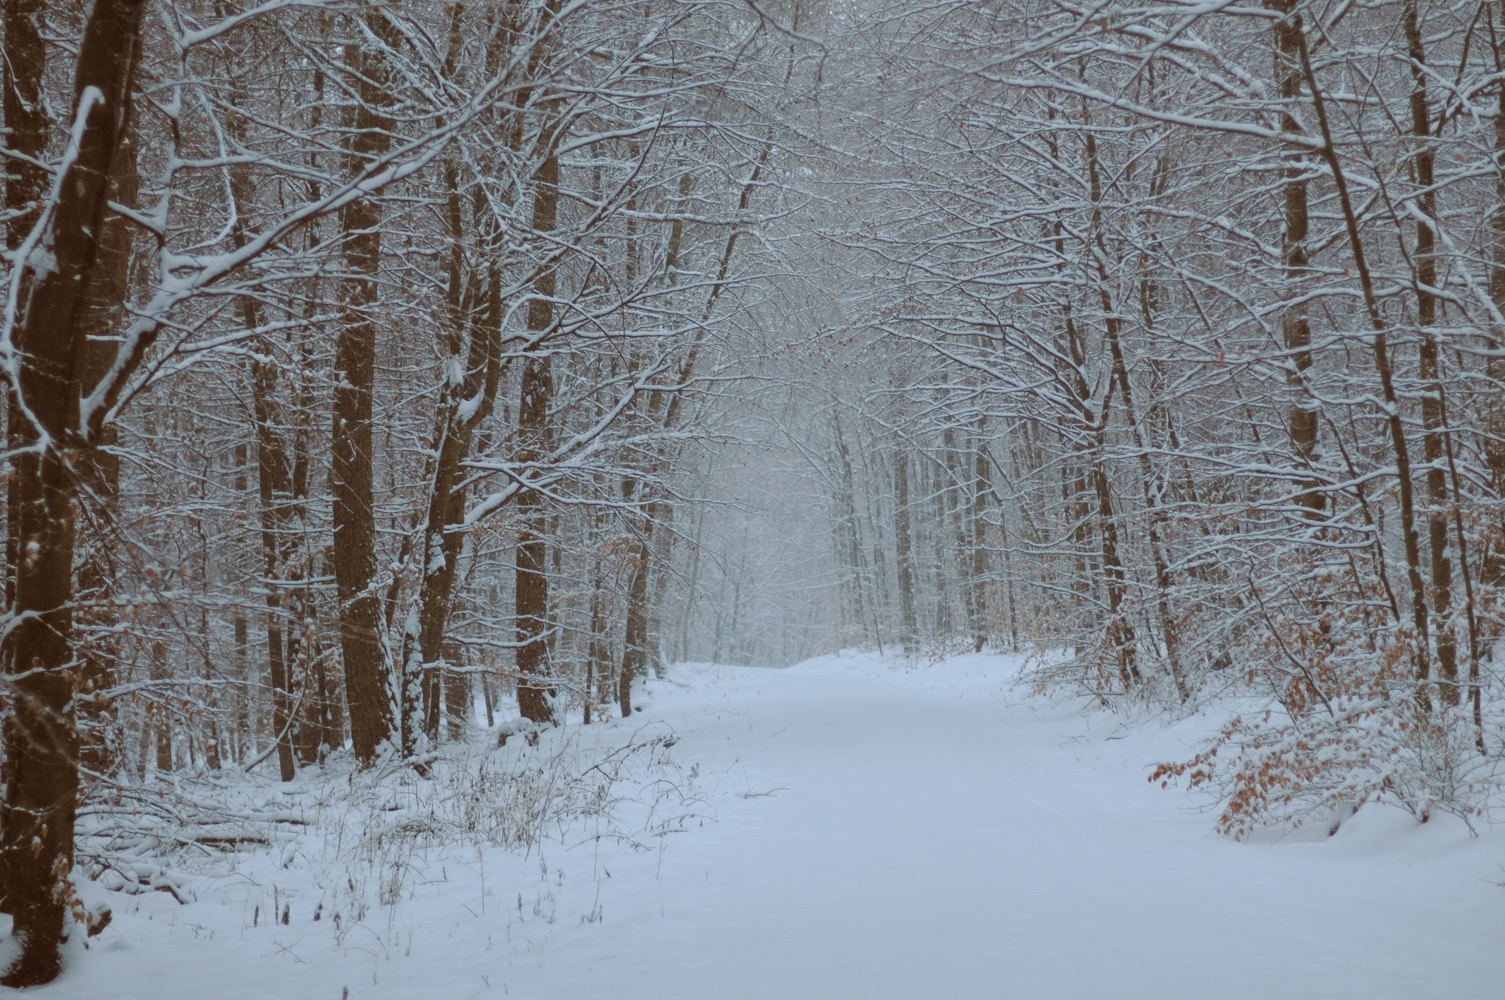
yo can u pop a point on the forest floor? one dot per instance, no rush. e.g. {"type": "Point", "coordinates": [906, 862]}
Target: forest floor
{"type": "Point", "coordinates": [846, 828]}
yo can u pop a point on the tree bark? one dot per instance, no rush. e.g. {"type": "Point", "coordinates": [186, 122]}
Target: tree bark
{"type": "Point", "coordinates": [979, 585]}
{"type": "Point", "coordinates": [635, 636]}
{"type": "Point", "coordinates": [97, 619]}
{"type": "Point", "coordinates": [1119, 634]}
{"type": "Point", "coordinates": [274, 492]}
{"type": "Point", "coordinates": [1434, 433]}
{"type": "Point", "coordinates": [40, 733]}
{"type": "Point", "coordinates": [903, 552]}
{"type": "Point", "coordinates": [1384, 369]}
{"type": "Point", "coordinates": [162, 721]}
{"type": "Point", "coordinates": [535, 684]}
{"type": "Point", "coordinates": [362, 625]}
{"type": "Point", "coordinates": [1492, 566]}
{"type": "Point", "coordinates": [848, 538]}
{"type": "Point", "coordinates": [463, 406]}
{"type": "Point", "coordinates": [1295, 327]}
{"type": "Point", "coordinates": [21, 74]}
{"type": "Point", "coordinates": [1154, 528]}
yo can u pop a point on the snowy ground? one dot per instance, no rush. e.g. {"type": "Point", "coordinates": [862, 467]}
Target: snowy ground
{"type": "Point", "coordinates": [849, 830]}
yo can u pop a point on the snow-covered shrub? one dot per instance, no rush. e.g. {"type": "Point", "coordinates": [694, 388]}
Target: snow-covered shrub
{"type": "Point", "coordinates": [1332, 716]}
{"type": "Point", "coordinates": [382, 833]}
{"type": "Point", "coordinates": [354, 843]}
{"type": "Point", "coordinates": [1272, 772]}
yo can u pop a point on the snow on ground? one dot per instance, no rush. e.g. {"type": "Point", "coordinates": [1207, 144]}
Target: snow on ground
{"type": "Point", "coordinates": [848, 829]}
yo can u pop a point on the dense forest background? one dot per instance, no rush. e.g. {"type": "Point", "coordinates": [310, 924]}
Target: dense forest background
{"type": "Point", "coordinates": [373, 369]}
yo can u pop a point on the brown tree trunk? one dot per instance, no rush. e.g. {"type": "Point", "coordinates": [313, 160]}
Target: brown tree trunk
{"type": "Point", "coordinates": [1420, 618]}
{"type": "Point", "coordinates": [848, 540]}
{"type": "Point", "coordinates": [1434, 436]}
{"type": "Point", "coordinates": [274, 489]}
{"type": "Point", "coordinates": [276, 492]}
{"type": "Point", "coordinates": [457, 691]}
{"type": "Point", "coordinates": [1119, 634]}
{"type": "Point", "coordinates": [1154, 528]}
{"type": "Point", "coordinates": [243, 743]}
{"type": "Point", "coordinates": [98, 725]}
{"type": "Point", "coordinates": [978, 604]}
{"type": "Point", "coordinates": [1078, 512]}
{"type": "Point", "coordinates": [660, 559]}
{"type": "Point", "coordinates": [1492, 567]}
{"type": "Point", "coordinates": [162, 723]}
{"type": "Point", "coordinates": [1295, 327]}
{"type": "Point", "coordinates": [903, 551]}
{"type": "Point", "coordinates": [597, 650]}
{"type": "Point", "coordinates": [535, 686]}
{"type": "Point", "coordinates": [635, 636]}
{"type": "Point", "coordinates": [362, 625]}
{"type": "Point", "coordinates": [40, 735]}
{"type": "Point", "coordinates": [464, 405]}
{"type": "Point", "coordinates": [21, 71]}
{"type": "Point", "coordinates": [472, 334]}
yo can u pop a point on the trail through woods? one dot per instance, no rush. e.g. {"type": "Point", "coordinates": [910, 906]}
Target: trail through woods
{"type": "Point", "coordinates": [866, 831]}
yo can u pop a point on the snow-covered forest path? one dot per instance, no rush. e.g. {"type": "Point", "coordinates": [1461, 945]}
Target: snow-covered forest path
{"type": "Point", "coordinates": [938, 836]}
{"type": "Point", "coordinates": [879, 833]}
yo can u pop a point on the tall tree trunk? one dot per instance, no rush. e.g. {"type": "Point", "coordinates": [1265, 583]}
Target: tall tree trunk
{"type": "Point", "coordinates": [274, 493]}
{"type": "Point", "coordinates": [471, 340]}
{"type": "Point", "coordinates": [978, 604]}
{"type": "Point", "coordinates": [162, 721]}
{"type": "Point", "coordinates": [660, 560]}
{"type": "Point", "coordinates": [367, 659]}
{"type": "Point", "coordinates": [535, 684]}
{"type": "Point", "coordinates": [597, 651]}
{"type": "Point", "coordinates": [1119, 634]}
{"type": "Point", "coordinates": [848, 539]}
{"type": "Point", "coordinates": [1295, 327]}
{"type": "Point", "coordinates": [1492, 567]}
{"type": "Point", "coordinates": [40, 734]}
{"type": "Point", "coordinates": [458, 696]}
{"type": "Point", "coordinates": [466, 403]}
{"type": "Point", "coordinates": [635, 636]}
{"type": "Point", "coordinates": [1078, 511]}
{"type": "Point", "coordinates": [276, 507]}
{"type": "Point", "coordinates": [21, 72]}
{"type": "Point", "coordinates": [243, 744]}
{"type": "Point", "coordinates": [1434, 437]}
{"type": "Point", "coordinates": [1390, 400]}
{"type": "Point", "coordinates": [903, 553]}
{"type": "Point", "coordinates": [98, 723]}
{"type": "Point", "coordinates": [1155, 526]}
